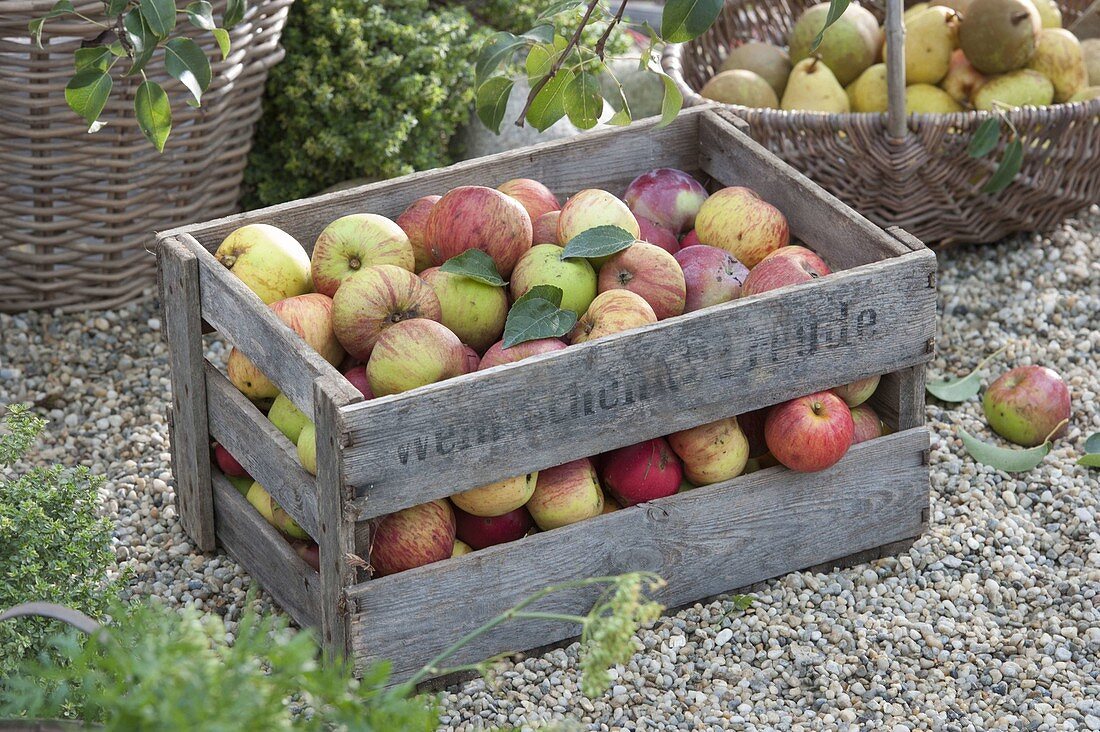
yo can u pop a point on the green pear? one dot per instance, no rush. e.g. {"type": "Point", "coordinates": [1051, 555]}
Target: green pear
{"type": "Point", "coordinates": [771, 62]}
{"type": "Point", "coordinates": [928, 99]}
{"type": "Point", "coordinates": [1049, 13]}
{"type": "Point", "coordinates": [740, 86]}
{"type": "Point", "coordinates": [1059, 58]}
{"type": "Point", "coordinates": [1086, 94]}
{"type": "Point", "coordinates": [962, 78]}
{"type": "Point", "coordinates": [848, 46]}
{"type": "Point", "coordinates": [868, 92]}
{"type": "Point", "coordinates": [930, 38]}
{"type": "Point", "coordinates": [1090, 47]}
{"type": "Point", "coordinates": [813, 88]}
{"type": "Point", "coordinates": [1000, 35]}
{"type": "Point", "coordinates": [1019, 88]}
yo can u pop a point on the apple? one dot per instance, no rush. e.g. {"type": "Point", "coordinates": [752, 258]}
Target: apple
{"type": "Point", "coordinates": [811, 432]}
{"type": "Point", "coordinates": [228, 464]}
{"type": "Point", "coordinates": [566, 494]}
{"type": "Point", "coordinates": [311, 317]}
{"type": "Point", "coordinates": [476, 217]}
{"type": "Point", "coordinates": [690, 239]}
{"type": "Point", "coordinates": [309, 552]}
{"type": "Point", "coordinates": [412, 221]}
{"type": "Point", "coordinates": [472, 361]}
{"type": "Point", "coordinates": [412, 537]}
{"type": "Point", "coordinates": [269, 261]}
{"type": "Point", "coordinates": [741, 222]}
{"type": "Point", "coordinates": [545, 228]}
{"type": "Point", "coordinates": [760, 463]}
{"type": "Point", "coordinates": [543, 265]}
{"type": "Point", "coordinates": [868, 425]}
{"type": "Point", "coordinates": [790, 265]}
{"type": "Point", "coordinates": [536, 198]}
{"type": "Point", "coordinates": [659, 235]}
{"type": "Point", "coordinates": [590, 208]}
{"type": "Point", "coordinates": [498, 354]}
{"type": "Point", "coordinates": [241, 484]}
{"type": "Point", "coordinates": [273, 513]}
{"type": "Point", "coordinates": [414, 353]}
{"type": "Point", "coordinates": [353, 242]}
{"type": "Point", "coordinates": [670, 198]}
{"type": "Point", "coordinates": [474, 311]}
{"type": "Point", "coordinates": [357, 377]}
{"type": "Point", "coordinates": [497, 499]}
{"type": "Point", "coordinates": [711, 452]}
{"type": "Point", "coordinates": [484, 531]}
{"type": "Point", "coordinates": [857, 392]}
{"type": "Point", "coordinates": [711, 275]}
{"type": "Point", "coordinates": [375, 298]}
{"type": "Point", "coordinates": [752, 426]}
{"type": "Point", "coordinates": [1026, 404]}
{"type": "Point", "coordinates": [612, 312]}
{"type": "Point", "coordinates": [642, 472]}
{"type": "Point", "coordinates": [647, 270]}
{"type": "Point", "coordinates": [287, 417]}
{"type": "Point", "coordinates": [610, 505]}
{"type": "Point", "coordinates": [461, 548]}
{"type": "Point", "coordinates": [685, 486]}
{"type": "Point", "coordinates": [307, 447]}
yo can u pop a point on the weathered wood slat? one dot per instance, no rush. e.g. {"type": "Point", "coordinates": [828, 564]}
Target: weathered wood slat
{"type": "Point", "coordinates": [280, 353]}
{"type": "Point", "coordinates": [679, 373]}
{"type": "Point", "coordinates": [703, 542]}
{"type": "Point", "coordinates": [179, 283]}
{"type": "Point", "coordinates": [259, 446]}
{"type": "Point", "coordinates": [843, 237]}
{"type": "Point", "coordinates": [266, 554]}
{"type": "Point", "coordinates": [899, 399]}
{"type": "Point", "coordinates": [605, 159]}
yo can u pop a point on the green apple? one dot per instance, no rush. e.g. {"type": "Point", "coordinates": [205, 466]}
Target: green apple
{"type": "Point", "coordinates": [566, 494]}
{"type": "Point", "coordinates": [497, 499]}
{"type": "Point", "coordinates": [268, 260]}
{"type": "Point", "coordinates": [307, 447]}
{"type": "Point", "coordinates": [353, 242]}
{"type": "Point", "coordinates": [273, 513]}
{"type": "Point", "coordinates": [543, 265]}
{"type": "Point", "coordinates": [287, 417]}
{"type": "Point", "coordinates": [473, 310]}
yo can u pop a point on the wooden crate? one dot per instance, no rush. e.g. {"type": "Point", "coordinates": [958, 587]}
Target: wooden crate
{"type": "Point", "coordinates": [874, 315]}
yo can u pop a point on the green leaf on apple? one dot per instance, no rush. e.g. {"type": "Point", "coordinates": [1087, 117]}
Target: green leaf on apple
{"type": "Point", "coordinates": [1004, 458]}
{"type": "Point", "coordinates": [538, 314]}
{"type": "Point", "coordinates": [959, 390]}
{"type": "Point", "coordinates": [599, 241]}
{"type": "Point", "coordinates": [476, 265]}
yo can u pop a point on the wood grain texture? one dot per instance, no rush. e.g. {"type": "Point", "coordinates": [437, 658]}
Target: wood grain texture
{"type": "Point", "coordinates": [899, 399]}
{"type": "Point", "coordinates": [817, 218]}
{"type": "Point", "coordinates": [179, 282]}
{"type": "Point", "coordinates": [241, 316]}
{"type": "Point", "coordinates": [265, 452]}
{"type": "Point", "coordinates": [452, 436]}
{"type": "Point", "coordinates": [267, 556]}
{"type": "Point", "coordinates": [703, 542]}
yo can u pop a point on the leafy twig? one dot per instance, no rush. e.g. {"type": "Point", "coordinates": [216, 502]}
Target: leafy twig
{"type": "Point", "coordinates": [610, 27]}
{"type": "Point", "coordinates": [556, 66]}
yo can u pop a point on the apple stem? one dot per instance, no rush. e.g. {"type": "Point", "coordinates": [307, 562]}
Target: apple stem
{"type": "Point", "coordinates": [354, 263]}
{"type": "Point", "coordinates": [228, 261]}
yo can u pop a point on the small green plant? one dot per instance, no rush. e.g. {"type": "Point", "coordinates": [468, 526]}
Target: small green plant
{"type": "Point", "coordinates": [52, 546]}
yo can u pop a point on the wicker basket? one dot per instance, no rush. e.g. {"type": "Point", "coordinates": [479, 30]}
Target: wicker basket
{"type": "Point", "coordinates": [923, 182]}
{"type": "Point", "coordinates": [76, 210]}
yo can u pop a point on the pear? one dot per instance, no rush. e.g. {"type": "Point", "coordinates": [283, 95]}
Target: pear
{"type": "Point", "coordinates": [1049, 14]}
{"type": "Point", "coordinates": [1090, 47]}
{"type": "Point", "coordinates": [868, 92]}
{"type": "Point", "coordinates": [1000, 35]}
{"type": "Point", "coordinates": [1019, 88]}
{"type": "Point", "coordinates": [771, 62]}
{"type": "Point", "coordinates": [959, 6]}
{"type": "Point", "coordinates": [930, 38]}
{"type": "Point", "coordinates": [913, 11]}
{"type": "Point", "coordinates": [848, 46]}
{"type": "Point", "coordinates": [1059, 58]}
{"type": "Point", "coordinates": [739, 86]}
{"type": "Point", "coordinates": [813, 88]}
{"type": "Point", "coordinates": [1086, 94]}
{"type": "Point", "coordinates": [962, 78]}
{"type": "Point", "coordinates": [928, 99]}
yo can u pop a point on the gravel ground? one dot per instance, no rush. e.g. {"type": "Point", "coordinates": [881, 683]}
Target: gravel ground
{"type": "Point", "coordinates": [990, 621]}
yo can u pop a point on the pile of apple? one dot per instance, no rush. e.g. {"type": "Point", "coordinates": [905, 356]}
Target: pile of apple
{"type": "Point", "coordinates": [401, 304]}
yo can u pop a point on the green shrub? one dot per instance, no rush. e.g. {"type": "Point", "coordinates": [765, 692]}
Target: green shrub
{"type": "Point", "coordinates": [53, 548]}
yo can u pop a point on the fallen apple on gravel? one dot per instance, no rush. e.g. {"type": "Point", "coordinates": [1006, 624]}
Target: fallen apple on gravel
{"type": "Point", "coordinates": [612, 312]}
{"type": "Point", "coordinates": [485, 531]}
{"type": "Point", "coordinates": [498, 354]}
{"type": "Point", "coordinates": [376, 298]}
{"type": "Point", "coordinates": [414, 353]}
{"type": "Point", "coordinates": [668, 197]}
{"type": "Point", "coordinates": [649, 271]}
{"type": "Point", "coordinates": [712, 276]}
{"type": "Point", "coordinates": [543, 265]}
{"type": "Point", "coordinates": [744, 224]}
{"type": "Point", "coordinates": [643, 472]}
{"type": "Point", "coordinates": [269, 261]}
{"type": "Point", "coordinates": [473, 310]}
{"type": "Point", "coordinates": [566, 494]}
{"type": "Point", "coordinates": [476, 217]}
{"type": "Point", "coordinates": [413, 221]}
{"type": "Point", "coordinates": [1026, 405]}
{"type": "Point", "coordinates": [353, 242]}
{"type": "Point", "coordinates": [791, 265]}
{"type": "Point", "coordinates": [409, 538]}
{"type": "Point", "coordinates": [810, 433]}
{"type": "Point", "coordinates": [857, 392]}
{"type": "Point", "coordinates": [712, 452]}
{"type": "Point", "coordinates": [535, 198]}
{"type": "Point", "coordinates": [497, 498]}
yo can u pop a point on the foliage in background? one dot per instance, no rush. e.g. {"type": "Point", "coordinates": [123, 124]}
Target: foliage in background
{"type": "Point", "coordinates": [52, 546]}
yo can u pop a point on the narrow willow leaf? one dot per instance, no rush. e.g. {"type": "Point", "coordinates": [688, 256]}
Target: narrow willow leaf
{"type": "Point", "coordinates": [201, 15]}
{"type": "Point", "coordinates": [672, 102]}
{"type": "Point", "coordinates": [535, 318]}
{"type": "Point", "coordinates": [160, 15]}
{"type": "Point", "coordinates": [836, 9]}
{"type": "Point", "coordinates": [583, 100]}
{"type": "Point", "coordinates": [185, 60]}
{"type": "Point", "coordinates": [542, 292]}
{"type": "Point", "coordinates": [98, 57]}
{"type": "Point", "coordinates": [87, 92]}
{"type": "Point", "coordinates": [476, 265]}
{"type": "Point", "coordinates": [1091, 460]}
{"type": "Point", "coordinates": [1007, 170]}
{"type": "Point", "coordinates": [221, 35]}
{"type": "Point", "coordinates": [234, 13]}
{"type": "Point", "coordinates": [599, 241]}
{"type": "Point", "coordinates": [961, 389]}
{"type": "Point", "coordinates": [1004, 458]}
{"type": "Point", "coordinates": [492, 101]}
{"type": "Point", "coordinates": [1092, 444]}
{"type": "Point", "coordinates": [154, 113]}
{"type": "Point", "coordinates": [985, 138]}
{"type": "Point", "coordinates": [498, 49]}
{"type": "Point", "coordinates": [683, 20]}
{"type": "Point", "coordinates": [549, 104]}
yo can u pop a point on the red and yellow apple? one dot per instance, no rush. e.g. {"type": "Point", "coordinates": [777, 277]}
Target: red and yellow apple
{"type": "Point", "coordinates": [647, 270]}
{"type": "Point", "coordinates": [273, 513]}
{"type": "Point", "coordinates": [412, 537]}
{"type": "Point", "coordinates": [536, 198]}
{"type": "Point", "coordinates": [497, 498]}
{"type": "Point", "coordinates": [414, 353]}
{"type": "Point", "coordinates": [790, 265]}
{"type": "Point", "coordinates": [857, 392]}
{"type": "Point", "coordinates": [375, 298]}
{"type": "Point", "coordinates": [712, 452]}
{"type": "Point", "coordinates": [461, 548]}
{"type": "Point", "coordinates": [353, 242]}
{"type": "Point", "coordinates": [566, 494]}
{"type": "Point", "coordinates": [473, 361]}
{"type": "Point", "coordinates": [670, 198]}
{"type": "Point", "coordinates": [657, 234]}
{"type": "Point", "coordinates": [545, 228]}
{"type": "Point", "coordinates": [712, 276]}
{"type": "Point", "coordinates": [612, 312]}
{"type": "Point", "coordinates": [228, 464]}
{"type": "Point", "coordinates": [476, 217]}
{"type": "Point", "coordinates": [741, 222]}
{"type": "Point", "coordinates": [413, 221]}
{"type": "Point", "coordinates": [811, 432]}
{"type": "Point", "coordinates": [357, 377]}
{"type": "Point", "coordinates": [474, 311]}
{"type": "Point", "coordinates": [498, 354]}
{"type": "Point", "coordinates": [543, 265]}
{"type": "Point", "coordinates": [269, 261]}
{"type": "Point", "coordinates": [593, 207]}
{"type": "Point", "coordinates": [643, 472]}
{"type": "Point", "coordinates": [690, 239]}
{"type": "Point", "coordinates": [868, 425]}
{"type": "Point", "coordinates": [1026, 404]}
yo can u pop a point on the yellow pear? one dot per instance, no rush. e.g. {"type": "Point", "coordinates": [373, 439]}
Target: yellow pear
{"type": "Point", "coordinates": [813, 88]}
{"type": "Point", "coordinates": [1023, 87]}
{"type": "Point", "coordinates": [962, 78]}
{"type": "Point", "coordinates": [1059, 58]}
{"type": "Point", "coordinates": [913, 12]}
{"type": "Point", "coordinates": [928, 99]}
{"type": "Point", "coordinates": [930, 39]}
{"type": "Point", "coordinates": [1049, 13]}
{"type": "Point", "coordinates": [868, 92]}
{"type": "Point", "coordinates": [1087, 94]}
{"type": "Point", "coordinates": [771, 62]}
{"type": "Point", "coordinates": [743, 87]}
{"type": "Point", "coordinates": [1090, 47]}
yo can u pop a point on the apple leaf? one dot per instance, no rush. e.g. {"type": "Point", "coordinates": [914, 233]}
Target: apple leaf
{"type": "Point", "coordinates": [683, 20]}
{"type": "Point", "coordinates": [542, 292]}
{"type": "Point", "coordinates": [583, 101]}
{"type": "Point", "coordinates": [160, 15]}
{"type": "Point", "coordinates": [154, 113]}
{"type": "Point", "coordinates": [560, 6]}
{"type": "Point", "coordinates": [185, 60]}
{"type": "Point", "coordinates": [533, 316]}
{"type": "Point", "coordinates": [599, 241]}
{"type": "Point", "coordinates": [201, 15]}
{"type": "Point", "coordinates": [476, 265]}
{"type": "Point", "coordinates": [499, 48]}
{"type": "Point", "coordinates": [1091, 460]}
{"type": "Point", "coordinates": [672, 101]}
{"type": "Point", "coordinates": [87, 92]}
{"type": "Point", "coordinates": [221, 35]}
{"type": "Point", "coordinates": [1092, 444]}
{"type": "Point", "coordinates": [959, 390]}
{"type": "Point", "coordinates": [1004, 458]}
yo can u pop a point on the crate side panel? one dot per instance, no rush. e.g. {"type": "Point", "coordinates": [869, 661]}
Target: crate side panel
{"type": "Point", "coordinates": [639, 384]}
{"type": "Point", "coordinates": [703, 542]}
